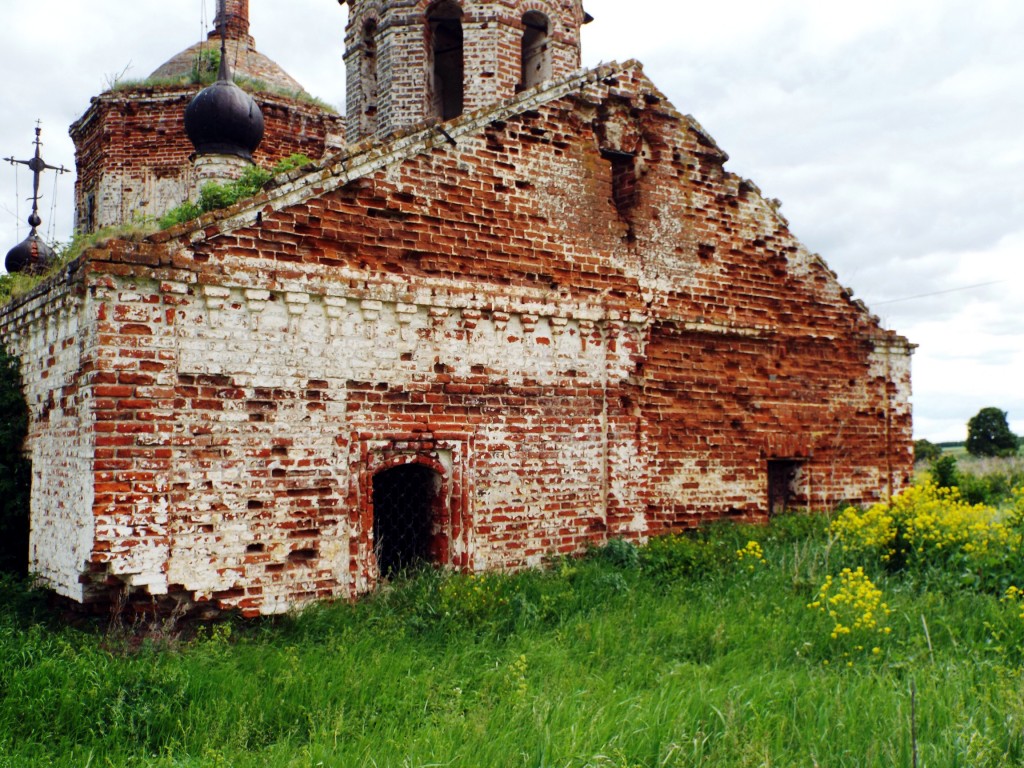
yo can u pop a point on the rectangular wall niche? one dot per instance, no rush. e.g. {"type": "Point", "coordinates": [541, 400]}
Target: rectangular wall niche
{"type": "Point", "coordinates": [624, 189]}
{"type": "Point", "coordinates": [784, 476]}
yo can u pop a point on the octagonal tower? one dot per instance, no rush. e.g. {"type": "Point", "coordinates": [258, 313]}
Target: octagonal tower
{"type": "Point", "coordinates": [411, 60]}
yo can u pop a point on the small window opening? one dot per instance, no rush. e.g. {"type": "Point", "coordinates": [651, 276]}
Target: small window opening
{"type": "Point", "coordinates": [405, 514]}
{"type": "Point", "coordinates": [624, 183]}
{"type": "Point", "coordinates": [90, 220]}
{"type": "Point", "coordinates": [447, 56]}
{"type": "Point", "coordinates": [536, 58]}
{"type": "Point", "coordinates": [369, 69]}
{"type": "Point", "coordinates": [783, 484]}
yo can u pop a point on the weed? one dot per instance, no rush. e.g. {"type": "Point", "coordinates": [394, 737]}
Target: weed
{"type": "Point", "coordinates": [13, 286]}
{"type": "Point", "coordinates": [688, 659]}
{"type": "Point", "coordinates": [674, 559]}
{"type": "Point", "coordinates": [751, 556]}
{"type": "Point", "coordinates": [214, 196]}
{"type": "Point", "coordinates": [933, 533]}
{"type": "Point", "coordinates": [205, 65]}
{"type": "Point", "coordinates": [620, 553]}
{"type": "Point", "coordinates": [854, 604]}
{"type": "Point", "coordinates": [944, 472]}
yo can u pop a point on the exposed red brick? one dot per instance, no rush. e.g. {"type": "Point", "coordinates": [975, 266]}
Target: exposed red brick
{"type": "Point", "coordinates": [570, 315]}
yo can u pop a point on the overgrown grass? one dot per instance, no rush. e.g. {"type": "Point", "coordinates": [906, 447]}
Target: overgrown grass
{"type": "Point", "coordinates": [205, 69]}
{"type": "Point", "coordinates": [12, 286]}
{"type": "Point", "coordinates": [212, 197]}
{"type": "Point", "coordinates": [682, 654]}
{"type": "Point", "coordinates": [981, 480]}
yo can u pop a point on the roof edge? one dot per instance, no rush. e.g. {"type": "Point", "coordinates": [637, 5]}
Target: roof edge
{"type": "Point", "coordinates": [370, 155]}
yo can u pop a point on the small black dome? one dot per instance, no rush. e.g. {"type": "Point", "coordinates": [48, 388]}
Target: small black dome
{"type": "Point", "coordinates": [224, 120]}
{"type": "Point", "coordinates": [31, 256]}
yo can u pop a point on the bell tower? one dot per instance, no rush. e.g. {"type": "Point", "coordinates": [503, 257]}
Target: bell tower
{"type": "Point", "coordinates": [411, 60]}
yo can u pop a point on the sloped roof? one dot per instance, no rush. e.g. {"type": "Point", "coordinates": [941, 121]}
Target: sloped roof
{"type": "Point", "coordinates": [592, 88]}
{"type": "Point", "coordinates": [371, 154]}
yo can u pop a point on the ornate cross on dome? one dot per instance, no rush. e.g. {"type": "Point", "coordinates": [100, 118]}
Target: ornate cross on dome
{"type": "Point", "coordinates": [32, 254]}
{"type": "Point", "coordinates": [37, 165]}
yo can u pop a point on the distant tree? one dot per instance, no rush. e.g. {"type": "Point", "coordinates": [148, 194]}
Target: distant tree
{"type": "Point", "coordinates": [15, 469]}
{"type": "Point", "coordinates": [988, 434]}
{"type": "Point", "coordinates": [944, 472]}
{"type": "Point", "coordinates": [926, 450]}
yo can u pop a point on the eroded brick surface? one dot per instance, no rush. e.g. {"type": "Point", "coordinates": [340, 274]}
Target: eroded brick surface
{"type": "Point", "coordinates": [389, 82]}
{"type": "Point", "coordinates": [134, 160]}
{"type": "Point", "coordinates": [562, 305]}
{"type": "Point", "coordinates": [55, 341]}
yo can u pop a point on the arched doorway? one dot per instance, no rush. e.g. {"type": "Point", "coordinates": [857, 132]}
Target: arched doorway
{"type": "Point", "coordinates": [405, 514]}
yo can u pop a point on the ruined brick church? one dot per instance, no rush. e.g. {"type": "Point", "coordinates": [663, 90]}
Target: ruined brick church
{"type": "Point", "coordinates": [512, 308]}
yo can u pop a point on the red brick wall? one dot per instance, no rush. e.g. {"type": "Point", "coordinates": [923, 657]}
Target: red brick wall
{"type": "Point", "coordinates": [573, 368]}
{"type": "Point", "coordinates": [492, 53]}
{"type": "Point", "coordinates": [133, 156]}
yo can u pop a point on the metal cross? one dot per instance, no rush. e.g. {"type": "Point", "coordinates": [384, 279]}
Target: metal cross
{"type": "Point", "coordinates": [225, 68]}
{"type": "Point", "coordinates": [37, 165]}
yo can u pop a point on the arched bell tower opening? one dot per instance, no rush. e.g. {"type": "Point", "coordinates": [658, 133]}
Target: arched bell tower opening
{"type": "Point", "coordinates": [369, 74]}
{"type": "Point", "coordinates": [447, 59]}
{"type": "Point", "coordinates": [536, 52]}
{"type": "Point", "coordinates": [442, 58]}
{"type": "Point", "coordinates": [407, 511]}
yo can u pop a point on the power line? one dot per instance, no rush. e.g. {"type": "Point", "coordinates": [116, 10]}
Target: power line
{"type": "Point", "coordinates": [933, 293]}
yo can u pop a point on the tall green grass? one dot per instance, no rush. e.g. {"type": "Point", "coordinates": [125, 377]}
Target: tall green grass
{"type": "Point", "coordinates": [980, 479]}
{"type": "Point", "coordinates": [677, 654]}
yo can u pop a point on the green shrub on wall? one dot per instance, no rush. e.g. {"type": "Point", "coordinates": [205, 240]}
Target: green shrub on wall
{"type": "Point", "coordinates": [15, 469]}
{"type": "Point", "coordinates": [214, 196]}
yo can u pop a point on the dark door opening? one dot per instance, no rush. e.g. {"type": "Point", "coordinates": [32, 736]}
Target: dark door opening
{"type": "Point", "coordinates": [782, 484]}
{"type": "Point", "coordinates": [404, 503]}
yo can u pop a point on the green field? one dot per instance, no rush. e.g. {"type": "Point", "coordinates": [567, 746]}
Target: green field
{"type": "Point", "coordinates": [694, 651]}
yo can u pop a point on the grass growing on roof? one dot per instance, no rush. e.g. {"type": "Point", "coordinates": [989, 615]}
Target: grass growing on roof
{"type": "Point", "coordinates": [214, 196]}
{"type": "Point", "coordinates": [13, 286]}
{"type": "Point", "coordinates": [205, 70]}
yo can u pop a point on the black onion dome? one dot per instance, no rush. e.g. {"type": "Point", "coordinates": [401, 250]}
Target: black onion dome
{"type": "Point", "coordinates": [31, 256]}
{"type": "Point", "coordinates": [223, 119]}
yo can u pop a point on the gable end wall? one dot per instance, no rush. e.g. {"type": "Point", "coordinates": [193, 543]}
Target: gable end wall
{"type": "Point", "coordinates": [574, 361]}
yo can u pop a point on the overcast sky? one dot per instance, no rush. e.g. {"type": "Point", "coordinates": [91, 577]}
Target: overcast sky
{"type": "Point", "coordinates": [890, 129]}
